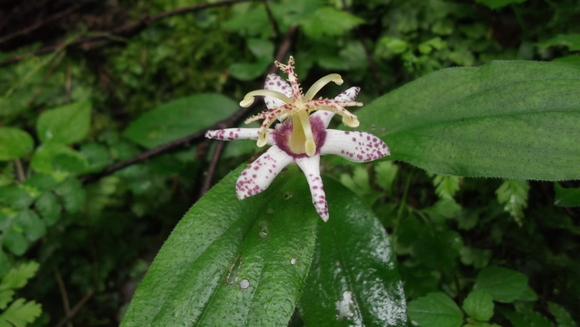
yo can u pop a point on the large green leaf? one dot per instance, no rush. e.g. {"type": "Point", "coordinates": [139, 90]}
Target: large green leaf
{"type": "Point", "coordinates": [179, 118]}
{"type": "Point", "coordinates": [66, 124]}
{"type": "Point", "coordinates": [512, 119]}
{"type": "Point", "coordinates": [14, 143]}
{"type": "Point", "coordinates": [353, 280]}
{"type": "Point", "coordinates": [435, 310]}
{"type": "Point", "coordinates": [504, 285]}
{"type": "Point", "coordinates": [231, 262]}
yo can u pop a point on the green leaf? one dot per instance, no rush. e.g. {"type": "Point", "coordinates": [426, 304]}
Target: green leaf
{"type": "Point", "coordinates": [31, 224]}
{"type": "Point", "coordinates": [56, 156]}
{"type": "Point", "coordinates": [5, 298]}
{"type": "Point", "coordinates": [14, 240]}
{"type": "Point", "coordinates": [328, 21]}
{"type": "Point", "coordinates": [231, 262]}
{"type": "Point", "coordinates": [66, 124]}
{"type": "Point", "coordinates": [39, 183]}
{"type": "Point", "coordinates": [562, 316]}
{"type": "Point", "coordinates": [495, 4]}
{"type": "Point", "coordinates": [20, 313]}
{"type": "Point", "coordinates": [353, 278]}
{"type": "Point", "coordinates": [15, 197]}
{"type": "Point", "coordinates": [504, 285]}
{"type": "Point", "coordinates": [572, 41]}
{"type": "Point", "coordinates": [479, 305]}
{"type": "Point", "coordinates": [435, 310]}
{"type": "Point", "coordinates": [566, 197]}
{"type": "Point", "coordinates": [14, 143]}
{"type": "Point", "coordinates": [179, 118]}
{"type": "Point", "coordinates": [386, 172]}
{"type": "Point", "coordinates": [18, 277]}
{"type": "Point", "coordinates": [48, 208]}
{"type": "Point", "coordinates": [264, 52]}
{"type": "Point", "coordinates": [72, 193]}
{"type": "Point", "coordinates": [505, 119]}
{"type": "Point", "coordinates": [446, 186]}
{"type": "Point", "coordinates": [513, 194]}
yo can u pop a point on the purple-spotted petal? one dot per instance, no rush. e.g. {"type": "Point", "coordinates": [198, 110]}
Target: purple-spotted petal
{"type": "Point", "coordinates": [311, 168]}
{"type": "Point", "coordinates": [261, 173]}
{"type": "Point", "coordinates": [230, 134]}
{"type": "Point", "coordinates": [354, 146]}
{"type": "Point", "coordinates": [346, 96]}
{"type": "Point", "coordinates": [276, 83]}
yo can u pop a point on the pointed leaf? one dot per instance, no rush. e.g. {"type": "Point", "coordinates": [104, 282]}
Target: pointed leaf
{"type": "Point", "coordinates": [14, 143]}
{"type": "Point", "coordinates": [353, 280]}
{"type": "Point", "coordinates": [566, 197]}
{"type": "Point", "coordinates": [231, 262]}
{"type": "Point", "coordinates": [179, 118]}
{"type": "Point", "coordinates": [435, 310]}
{"type": "Point", "coordinates": [67, 124]}
{"type": "Point", "coordinates": [479, 305]}
{"type": "Point", "coordinates": [504, 285]}
{"type": "Point", "coordinates": [512, 119]}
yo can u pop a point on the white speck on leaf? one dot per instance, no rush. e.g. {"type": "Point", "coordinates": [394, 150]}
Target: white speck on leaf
{"type": "Point", "coordinates": [293, 261]}
{"type": "Point", "coordinates": [345, 307]}
{"type": "Point", "coordinates": [244, 284]}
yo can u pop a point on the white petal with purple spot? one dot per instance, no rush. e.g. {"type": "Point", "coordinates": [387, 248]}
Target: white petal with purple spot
{"type": "Point", "coordinates": [278, 84]}
{"type": "Point", "coordinates": [348, 95]}
{"type": "Point", "coordinates": [230, 134]}
{"type": "Point", "coordinates": [311, 168]}
{"type": "Point", "coordinates": [261, 173]}
{"type": "Point", "coordinates": [354, 146]}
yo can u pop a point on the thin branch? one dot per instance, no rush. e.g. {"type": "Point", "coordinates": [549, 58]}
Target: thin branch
{"type": "Point", "coordinates": [63, 295]}
{"type": "Point", "coordinates": [271, 18]}
{"type": "Point", "coordinates": [76, 308]}
{"type": "Point", "coordinates": [284, 48]}
{"type": "Point", "coordinates": [127, 30]}
{"type": "Point", "coordinates": [41, 23]}
{"type": "Point", "coordinates": [215, 158]}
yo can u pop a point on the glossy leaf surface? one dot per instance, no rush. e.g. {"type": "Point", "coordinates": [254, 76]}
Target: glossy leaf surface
{"type": "Point", "coordinates": [231, 262]}
{"type": "Point", "coordinates": [505, 119]}
{"type": "Point", "coordinates": [179, 118]}
{"type": "Point", "coordinates": [353, 280]}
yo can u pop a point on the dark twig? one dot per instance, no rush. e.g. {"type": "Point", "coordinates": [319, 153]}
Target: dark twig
{"type": "Point", "coordinates": [372, 64]}
{"type": "Point", "coordinates": [168, 147]}
{"type": "Point", "coordinates": [215, 158]}
{"type": "Point", "coordinates": [76, 308]}
{"type": "Point", "coordinates": [284, 48]}
{"type": "Point", "coordinates": [63, 294]}
{"type": "Point", "coordinates": [271, 18]}
{"type": "Point", "coordinates": [126, 30]}
{"type": "Point", "coordinates": [41, 23]}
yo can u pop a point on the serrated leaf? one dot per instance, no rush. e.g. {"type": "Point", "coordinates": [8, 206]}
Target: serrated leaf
{"type": "Point", "coordinates": [30, 224]}
{"type": "Point", "coordinates": [14, 240]}
{"type": "Point", "coordinates": [20, 313]}
{"type": "Point", "coordinates": [563, 317]}
{"type": "Point", "coordinates": [435, 310]}
{"type": "Point", "coordinates": [446, 186]}
{"type": "Point", "coordinates": [329, 21]}
{"type": "Point", "coordinates": [14, 143]}
{"type": "Point", "coordinates": [48, 208]}
{"type": "Point", "coordinates": [566, 197]}
{"type": "Point", "coordinates": [18, 277]}
{"type": "Point", "coordinates": [504, 285]}
{"type": "Point", "coordinates": [66, 124]}
{"type": "Point", "coordinates": [510, 119]}
{"type": "Point", "coordinates": [496, 4]}
{"type": "Point", "coordinates": [179, 118]}
{"type": "Point", "coordinates": [479, 305]}
{"type": "Point", "coordinates": [231, 262]}
{"type": "Point", "coordinates": [5, 298]}
{"type": "Point", "coordinates": [513, 194]}
{"type": "Point", "coordinates": [73, 194]}
{"type": "Point", "coordinates": [353, 280]}
{"type": "Point", "coordinates": [15, 197]}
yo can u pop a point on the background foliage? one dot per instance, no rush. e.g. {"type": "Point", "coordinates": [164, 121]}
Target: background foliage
{"type": "Point", "coordinates": [76, 244]}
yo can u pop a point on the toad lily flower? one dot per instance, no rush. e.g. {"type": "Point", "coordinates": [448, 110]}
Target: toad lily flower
{"type": "Point", "coordinates": [302, 136]}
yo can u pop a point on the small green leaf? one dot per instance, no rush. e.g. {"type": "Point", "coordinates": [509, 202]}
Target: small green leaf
{"type": "Point", "coordinates": [18, 277]}
{"type": "Point", "coordinates": [435, 310]}
{"type": "Point", "coordinates": [509, 119]}
{"type": "Point", "coordinates": [446, 186]}
{"type": "Point", "coordinates": [97, 156]}
{"type": "Point", "coordinates": [14, 143]}
{"type": "Point", "coordinates": [343, 286]}
{"type": "Point", "coordinates": [31, 224]}
{"type": "Point", "coordinates": [67, 124]}
{"type": "Point", "coordinates": [513, 194]}
{"type": "Point", "coordinates": [479, 305]}
{"type": "Point", "coordinates": [14, 240]}
{"type": "Point", "coordinates": [329, 21]}
{"type": "Point", "coordinates": [566, 197]}
{"type": "Point", "coordinates": [48, 208]}
{"type": "Point", "coordinates": [39, 183]}
{"type": "Point", "coordinates": [48, 155]}
{"type": "Point", "coordinates": [572, 41]}
{"type": "Point", "coordinates": [386, 172]}
{"type": "Point", "coordinates": [264, 52]}
{"type": "Point", "coordinates": [230, 262]}
{"type": "Point", "coordinates": [72, 193]}
{"type": "Point", "coordinates": [562, 316]}
{"type": "Point", "coordinates": [20, 313]}
{"type": "Point", "coordinates": [6, 297]}
{"type": "Point", "coordinates": [70, 163]}
{"type": "Point", "coordinates": [496, 4]}
{"type": "Point", "coordinates": [504, 285]}
{"type": "Point", "coordinates": [15, 197]}
{"type": "Point", "coordinates": [179, 118]}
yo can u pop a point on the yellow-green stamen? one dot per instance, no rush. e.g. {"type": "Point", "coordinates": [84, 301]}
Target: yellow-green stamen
{"type": "Point", "coordinates": [249, 98]}
{"type": "Point", "coordinates": [321, 83]}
